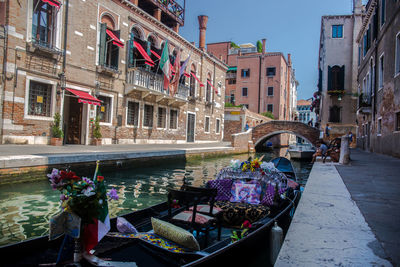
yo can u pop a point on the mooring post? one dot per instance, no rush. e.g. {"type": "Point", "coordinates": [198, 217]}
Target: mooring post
{"type": "Point", "coordinates": [344, 150]}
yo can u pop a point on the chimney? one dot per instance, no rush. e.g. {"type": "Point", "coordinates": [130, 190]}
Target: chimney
{"type": "Point", "coordinates": [289, 59]}
{"type": "Point", "coordinates": [263, 45]}
{"type": "Point", "coordinates": [202, 27]}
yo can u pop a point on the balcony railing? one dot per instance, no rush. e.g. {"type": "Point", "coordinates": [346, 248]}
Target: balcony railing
{"type": "Point", "coordinates": [173, 8]}
{"type": "Point", "coordinates": [146, 79]}
{"type": "Point", "coordinates": [230, 75]}
{"type": "Point", "coordinates": [46, 46]}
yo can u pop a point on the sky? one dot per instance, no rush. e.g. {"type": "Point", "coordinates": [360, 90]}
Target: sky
{"type": "Point", "coordinates": [290, 26]}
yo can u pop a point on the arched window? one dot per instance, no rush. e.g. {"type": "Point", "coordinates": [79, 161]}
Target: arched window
{"type": "Point", "coordinates": [192, 85]}
{"type": "Point", "coordinates": [208, 88]}
{"type": "Point", "coordinates": [109, 42]}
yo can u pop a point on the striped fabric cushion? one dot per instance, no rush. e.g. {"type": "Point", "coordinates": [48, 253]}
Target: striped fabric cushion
{"type": "Point", "coordinates": [206, 209]}
{"type": "Point", "coordinates": [187, 215]}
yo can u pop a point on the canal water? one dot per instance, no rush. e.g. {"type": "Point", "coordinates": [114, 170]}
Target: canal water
{"type": "Point", "coordinates": [26, 208]}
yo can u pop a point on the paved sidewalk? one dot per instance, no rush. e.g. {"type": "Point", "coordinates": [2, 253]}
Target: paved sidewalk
{"type": "Point", "coordinates": [328, 228]}
{"type": "Point", "coordinates": [373, 181]}
{"type": "Point", "coordinates": [12, 156]}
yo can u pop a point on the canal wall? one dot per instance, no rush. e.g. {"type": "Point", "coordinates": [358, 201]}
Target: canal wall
{"type": "Point", "coordinates": [27, 168]}
{"type": "Point", "coordinates": [328, 228]}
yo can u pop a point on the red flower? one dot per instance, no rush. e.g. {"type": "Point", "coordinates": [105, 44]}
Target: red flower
{"type": "Point", "coordinates": [100, 178]}
{"type": "Point", "coordinates": [246, 224]}
{"type": "Point", "coordinates": [68, 175]}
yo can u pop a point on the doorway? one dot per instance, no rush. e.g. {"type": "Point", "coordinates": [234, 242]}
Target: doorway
{"type": "Point", "coordinates": [191, 120]}
{"type": "Point", "coordinates": [72, 121]}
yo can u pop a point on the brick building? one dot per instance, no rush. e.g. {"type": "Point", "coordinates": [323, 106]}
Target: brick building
{"type": "Point", "coordinates": [378, 112]}
{"type": "Point", "coordinates": [261, 81]}
{"type": "Point", "coordinates": [87, 59]}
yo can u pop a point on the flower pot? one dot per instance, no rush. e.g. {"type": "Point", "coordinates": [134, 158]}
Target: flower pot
{"type": "Point", "coordinates": [55, 141]}
{"type": "Point", "coordinates": [96, 141]}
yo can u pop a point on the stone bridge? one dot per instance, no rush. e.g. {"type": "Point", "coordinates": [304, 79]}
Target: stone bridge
{"type": "Point", "coordinates": [266, 130]}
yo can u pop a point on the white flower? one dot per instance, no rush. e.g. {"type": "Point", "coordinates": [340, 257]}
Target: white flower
{"type": "Point", "coordinates": [88, 191]}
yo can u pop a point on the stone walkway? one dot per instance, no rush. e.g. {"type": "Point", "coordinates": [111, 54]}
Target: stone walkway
{"type": "Point", "coordinates": [328, 228]}
{"type": "Point", "coordinates": [13, 156]}
{"type": "Point", "coordinates": [373, 181]}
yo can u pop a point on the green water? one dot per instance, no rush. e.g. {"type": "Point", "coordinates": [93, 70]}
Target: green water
{"type": "Point", "coordinates": [25, 209]}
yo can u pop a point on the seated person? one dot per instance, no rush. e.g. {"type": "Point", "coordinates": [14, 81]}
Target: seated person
{"type": "Point", "coordinates": [321, 151]}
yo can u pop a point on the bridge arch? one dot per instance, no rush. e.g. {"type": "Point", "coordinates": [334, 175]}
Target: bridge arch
{"type": "Point", "coordinates": [266, 130]}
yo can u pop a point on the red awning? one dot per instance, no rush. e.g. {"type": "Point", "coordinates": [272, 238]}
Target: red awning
{"type": "Point", "coordinates": [54, 3]}
{"type": "Point", "coordinates": [186, 74]}
{"type": "Point", "coordinates": [215, 89]}
{"type": "Point", "coordinates": [85, 97]}
{"type": "Point", "coordinates": [197, 79]}
{"type": "Point", "coordinates": [115, 39]}
{"type": "Point", "coordinates": [149, 61]}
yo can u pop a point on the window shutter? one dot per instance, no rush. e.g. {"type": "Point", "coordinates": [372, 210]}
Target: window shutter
{"type": "Point", "coordinates": [341, 78]}
{"type": "Point", "coordinates": [130, 50]}
{"type": "Point", "coordinates": [248, 73]}
{"type": "Point", "coordinates": [115, 54]}
{"type": "Point", "coordinates": [242, 73]}
{"type": "Point", "coordinates": [329, 78]}
{"type": "Point", "coordinates": [102, 45]}
{"type": "Point", "coordinates": [148, 48]}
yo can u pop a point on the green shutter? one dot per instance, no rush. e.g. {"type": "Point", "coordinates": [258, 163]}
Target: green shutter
{"type": "Point", "coordinates": [115, 52]}
{"type": "Point", "coordinates": [130, 50]}
{"type": "Point", "coordinates": [329, 78]}
{"type": "Point", "coordinates": [341, 78]}
{"type": "Point", "coordinates": [102, 45]}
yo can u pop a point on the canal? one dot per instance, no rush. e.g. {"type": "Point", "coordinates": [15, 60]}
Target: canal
{"type": "Point", "coordinates": [26, 208]}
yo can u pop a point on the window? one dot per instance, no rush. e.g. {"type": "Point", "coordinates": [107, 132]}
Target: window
{"type": "Point", "coordinates": [245, 72]}
{"type": "Point", "coordinates": [246, 106]}
{"type": "Point", "coordinates": [217, 126]}
{"type": "Point", "coordinates": [108, 45]}
{"type": "Point", "coordinates": [397, 58]}
{"type": "Point", "coordinates": [133, 113]}
{"type": "Point", "coordinates": [44, 23]}
{"type": "Point", "coordinates": [335, 78]}
{"type": "Point", "coordinates": [337, 31]}
{"type": "Point", "coordinates": [383, 12]}
{"type": "Point", "coordinates": [208, 91]}
{"type": "Point", "coordinates": [192, 85]}
{"type": "Point", "coordinates": [270, 91]}
{"type": "Point", "coordinates": [244, 91]}
{"type": "Point", "coordinates": [207, 125]}
{"type": "Point", "coordinates": [148, 116]}
{"type": "Point", "coordinates": [270, 107]}
{"type": "Point", "coordinates": [359, 55]}
{"type": "Point", "coordinates": [379, 127]}
{"type": "Point", "coordinates": [162, 117]}
{"type": "Point", "coordinates": [271, 71]}
{"type": "Point", "coordinates": [104, 111]}
{"type": "Point", "coordinates": [231, 81]}
{"type": "Point", "coordinates": [381, 69]}
{"type": "Point", "coordinates": [232, 98]}
{"type": "Point", "coordinates": [39, 99]}
{"type": "Point", "coordinates": [173, 119]}
{"type": "Point", "coordinates": [334, 114]}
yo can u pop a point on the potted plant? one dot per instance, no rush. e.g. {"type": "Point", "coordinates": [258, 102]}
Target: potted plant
{"type": "Point", "coordinates": [96, 132]}
{"type": "Point", "coordinates": [56, 132]}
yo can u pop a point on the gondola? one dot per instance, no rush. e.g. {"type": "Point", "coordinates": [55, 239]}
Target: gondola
{"type": "Point", "coordinates": [124, 251]}
{"type": "Point", "coordinates": [285, 166]}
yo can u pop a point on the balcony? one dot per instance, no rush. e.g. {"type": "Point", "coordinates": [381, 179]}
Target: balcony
{"type": "Point", "coordinates": [230, 75]}
{"type": "Point", "coordinates": [336, 92]}
{"type": "Point", "coordinates": [365, 103]}
{"type": "Point", "coordinates": [46, 48]}
{"type": "Point", "coordinates": [150, 83]}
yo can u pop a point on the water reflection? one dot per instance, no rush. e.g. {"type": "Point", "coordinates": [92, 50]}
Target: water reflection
{"type": "Point", "coordinates": [26, 208]}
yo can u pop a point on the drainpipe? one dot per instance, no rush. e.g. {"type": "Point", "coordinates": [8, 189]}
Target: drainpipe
{"type": "Point", "coordinates": [2, 89]}
{"type": "Point", "coordinates": [63, 65]}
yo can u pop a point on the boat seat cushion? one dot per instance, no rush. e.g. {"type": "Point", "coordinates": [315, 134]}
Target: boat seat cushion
{"type": "Point", "coordinates": [223, 187]}
{"type": "Point", "coordinates": [175, 234]}
{"type": "Point", "coordinates": [235, 213]}
{"type": "Point", "coordinates": [187, 215]}
{"type": "Point", "coordinates": [205, 209]}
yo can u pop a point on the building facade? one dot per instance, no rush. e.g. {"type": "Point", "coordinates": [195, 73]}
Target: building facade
{"type": "Point", "coordinates": [261, 81]}
{"type": "Point", "coordinates": [305, 114]}
{"type": "Point", "coordinates": [100, 59]}
{"type": "Point", "coordinates": [337, 85]}
{"type": "Point", "coordinates": [378, 112]}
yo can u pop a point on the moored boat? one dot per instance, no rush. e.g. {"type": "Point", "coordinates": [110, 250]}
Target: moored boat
{"type": "Point", "coordinates": [128, 248]}
{"type": "Point", "coordinates": [301, 151]}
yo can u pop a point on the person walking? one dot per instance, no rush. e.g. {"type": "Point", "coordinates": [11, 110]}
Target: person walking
{"type": "Point", "coordinates": [327, 130]}
{"type": "Point", "coordinates": [310, 122]}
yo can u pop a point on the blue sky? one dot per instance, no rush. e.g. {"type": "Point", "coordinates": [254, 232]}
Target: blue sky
{"type": "Point", "coordinates": [290, 26]}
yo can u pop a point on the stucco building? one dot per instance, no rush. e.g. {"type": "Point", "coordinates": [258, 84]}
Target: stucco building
{"type": "Point", "coordinates": [337, 66]}
{"type": "Point", "coordinates": [261, 81]}
{"type": "Point", "coordinates": [378, 112]}
{"type": "Point", "coordinates": [305, 114]}
{"type": "Point", "coordinates": [88, 59]}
